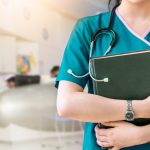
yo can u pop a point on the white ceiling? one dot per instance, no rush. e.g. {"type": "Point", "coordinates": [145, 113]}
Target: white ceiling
{"type": "Point", "coordinates": [79, 8]}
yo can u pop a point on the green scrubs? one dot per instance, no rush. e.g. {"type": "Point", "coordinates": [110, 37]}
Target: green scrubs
{"type": "Point", "coordinates": [76, 58]}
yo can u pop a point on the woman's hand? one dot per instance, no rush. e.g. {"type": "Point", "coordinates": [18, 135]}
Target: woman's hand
{"type": "Point", "coordinates": [123, 134]}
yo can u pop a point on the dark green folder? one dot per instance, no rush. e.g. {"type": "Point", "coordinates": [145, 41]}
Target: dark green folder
{"type": "Point", "coordinates": [128, 74]}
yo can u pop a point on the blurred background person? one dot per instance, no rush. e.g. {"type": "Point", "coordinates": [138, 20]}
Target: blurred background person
{"type": "Point", "coordinates": [54, 71]}
{"type": "Point", "coordinates": [10, 81]}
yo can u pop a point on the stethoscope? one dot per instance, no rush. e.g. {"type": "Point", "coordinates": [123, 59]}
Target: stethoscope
{"type": "Point", "coordinates": [100, 32]}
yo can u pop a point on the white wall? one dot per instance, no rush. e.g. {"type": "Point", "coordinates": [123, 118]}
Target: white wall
{"type": "Point", "coordinates": [27, 18]}
{"type": "Point", "coordinates": [7, 54]}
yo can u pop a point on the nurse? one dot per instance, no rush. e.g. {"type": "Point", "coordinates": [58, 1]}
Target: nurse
{"type": "Point", "coordinates": [131, 22]}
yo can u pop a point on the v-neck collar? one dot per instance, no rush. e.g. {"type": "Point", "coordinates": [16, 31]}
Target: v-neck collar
{"type": "Point", "coordinates": [146, 33]}
{"type": "Point", "coordinates": [142, 38]}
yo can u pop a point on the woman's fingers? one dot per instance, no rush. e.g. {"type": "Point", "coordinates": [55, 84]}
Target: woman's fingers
{"type": "Point", "coordinates": [104, 144]}
{"type": "Point", "coordinates": [100, 132]}
{"type": "Point", "coordinates": [115, 124]}
{"type": "Point", "coordinates": [102, 138]}
{"type": "Point", "coordinates": [114, 148]}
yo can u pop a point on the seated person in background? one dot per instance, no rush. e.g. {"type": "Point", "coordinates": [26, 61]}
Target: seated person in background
{"type": "Point", "coordinates": [10, 81]}
{"type": "Point", "coordinates": [54, 71]}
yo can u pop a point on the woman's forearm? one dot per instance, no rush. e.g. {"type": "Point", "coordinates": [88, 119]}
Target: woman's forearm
{"type": "Point", "coordinates": [92, 108]}
{"type": "Point", "coordinates": [89, 107]}
{"type": "Point", "coordinates": [145, 108]}
{"type": "Point", "coordinates": [145, 134]}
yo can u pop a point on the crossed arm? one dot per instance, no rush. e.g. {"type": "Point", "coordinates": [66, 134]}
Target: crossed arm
{"type": "Point", "coordinates": [73, 103]}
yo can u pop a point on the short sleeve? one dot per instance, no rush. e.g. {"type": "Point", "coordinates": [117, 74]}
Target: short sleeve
{"type": "Point", "coordinates": [76, 56]}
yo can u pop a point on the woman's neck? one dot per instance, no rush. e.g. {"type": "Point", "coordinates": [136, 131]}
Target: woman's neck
{"type": "Point", "coordinates": [137, 15]}
{"type": "Point", "coordinates": [137, 9]}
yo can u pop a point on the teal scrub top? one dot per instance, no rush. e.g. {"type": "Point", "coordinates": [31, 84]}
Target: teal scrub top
{"type": "Point", "coordinates": [76, 57]}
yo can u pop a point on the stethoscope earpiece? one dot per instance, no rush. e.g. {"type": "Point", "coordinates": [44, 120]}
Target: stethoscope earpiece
{"type": "Point", "coordinates": [69, 71]}
{"type": "Point", "coordinates": [106, 80]}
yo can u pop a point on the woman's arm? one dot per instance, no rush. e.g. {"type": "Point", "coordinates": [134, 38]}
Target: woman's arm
{"type": "Point", "coordinates": [73, 103]}
{"type": "Point", "coordinates": [145, 133]}
{"type": "Point", "coordinates": [122, 135]}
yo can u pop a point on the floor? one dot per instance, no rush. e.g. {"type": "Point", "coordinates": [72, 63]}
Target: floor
{"type": "Point", "coordinates": [29, 121]}
{"type": "Point", "coordinates": [73, 144]}
{"type": "Point", "coordinates": [19, 138]}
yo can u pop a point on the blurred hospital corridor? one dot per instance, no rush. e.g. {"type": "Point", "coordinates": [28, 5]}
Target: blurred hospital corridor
{"type": "Point", "coordinates": [33, 37]}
